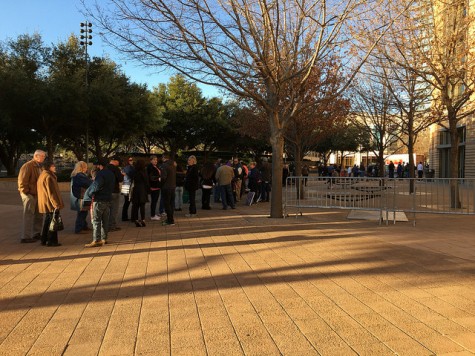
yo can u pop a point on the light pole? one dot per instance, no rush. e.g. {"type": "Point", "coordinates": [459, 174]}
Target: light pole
{"type": "Point", "coordinates": [86, 38]}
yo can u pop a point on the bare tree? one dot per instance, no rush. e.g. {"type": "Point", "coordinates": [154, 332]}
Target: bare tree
{"type": "Point", "coordinates": [260, 50]}
{"type": "Point", "coordinates": [322, 107]}
{"type": "Point", "coordinates": [437, 34]}
{"type": "Point", "coordinates": [410, 96]}
{"type": "Point", "coordinates": [374, 111]}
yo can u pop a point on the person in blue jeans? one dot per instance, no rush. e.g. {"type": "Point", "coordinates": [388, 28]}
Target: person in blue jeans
{"type": "Point", "coordinates": [101, 190]}
{"type": "Point", "coordinates": [224, 177]}
{"type": "Point", "coordinates": [79, 183]}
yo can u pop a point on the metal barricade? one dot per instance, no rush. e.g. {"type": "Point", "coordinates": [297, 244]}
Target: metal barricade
{"type": "Point", "coordinates": [387, 196]}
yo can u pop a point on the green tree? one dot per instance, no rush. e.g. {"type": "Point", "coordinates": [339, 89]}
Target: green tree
{"type": "Point", "coordinates": [119, 111]}
{"type": "Point", "coordinates": [21, 75]}
{"type": "Point", "coordinates": [252, 132]}
{"type": "Point", "coordinates": [214, 126]}
{"type": "Point", "coordinates": [181, 105]}
{"type": "Point", "coordinates": [64, 100]}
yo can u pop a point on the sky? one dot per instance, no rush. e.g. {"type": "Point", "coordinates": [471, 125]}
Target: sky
{"type": "Point", "coordinates": [56, 20]}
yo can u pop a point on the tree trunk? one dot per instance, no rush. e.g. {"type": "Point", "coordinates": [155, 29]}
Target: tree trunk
{"type": "Point", "coordinates": [298, 172]}
{"type": "Point", "coordinates": [50, 146]}
{"type": "Point", "coordinates": [410, 150]}
{"type": "Point", "coordinates": [277, 142]}
{"type": "Point", "coordinates": [454, 161]}
{"type": "Point", "coordinates": [97, 147]}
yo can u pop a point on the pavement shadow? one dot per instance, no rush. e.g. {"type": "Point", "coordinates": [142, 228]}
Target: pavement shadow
{"type": "Point", "coordinates": [385, 261]}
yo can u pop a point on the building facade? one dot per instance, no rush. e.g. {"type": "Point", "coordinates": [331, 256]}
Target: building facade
{"type": "Point", "coordinates": [454, 34]}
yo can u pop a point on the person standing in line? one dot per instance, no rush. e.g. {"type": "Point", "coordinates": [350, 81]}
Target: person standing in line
{"type": "Point", "coordinates": [27, 186]}
{"type": "Point", "coordinates": [254, 181]}
{"type": "Point", "coordinates": [128, 172]}
{"type": "Point", "coordinates": [208, 172]}
{"type": "Point", "coordinates": [305, 174]}
{"type": "Point", "coordinates": [237, 180]}
{"type": "Point", "coordinates": [49, 200]}
{"type": "Point", "coordinates": [245, 172]}
{"type": "Point", "coordinates": [285, 174]}
{"type": "Point", "coordinates": [362, 169]}
{"type": "Point", "coordinates": [79, 183]}
{"type": "Point", "coordinates": [420, 170]}
{"type": "Point", "coordinates": [266, 175]}
{"type": "Point", "coordinates": [113, 166]}
{"type": "Point", "coordinates": [180, 183]}
{"type": "Point", "coordinates": [399, 170]}
{"type": "Point", "coordinates": [168, 170]}
{"type": "Point", "coordinates": [101, 190]}
{"type": "Point", "coordinates": [391, 168]}
{"type": "Point", "coordinates": [192, 184]}
{"type": "Point", "coordinates": [224, 177]}
{"type": "Point", "coordinates": [216, 188]}
{"type": "Point", "coordinates": [139, 193]}
{"type": "Point", "coordinates": [154, 180]}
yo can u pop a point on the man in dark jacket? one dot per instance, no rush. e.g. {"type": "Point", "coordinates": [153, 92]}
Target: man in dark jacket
{"type": "Point", "coordinates": [113, 166]}
{"type": "Point", "coordinates": [168, 170]}
{"type": "Point", "coordinates": [101, 191]}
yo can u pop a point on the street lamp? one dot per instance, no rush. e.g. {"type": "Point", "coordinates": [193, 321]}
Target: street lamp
{"type": "Point", "coordinates": [86, 38]}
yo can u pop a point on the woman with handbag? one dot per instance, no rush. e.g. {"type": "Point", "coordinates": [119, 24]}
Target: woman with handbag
{"type": "Point", "coordinates": [79, 184]}
{"type": "Point", "coordinates": [49, 202]}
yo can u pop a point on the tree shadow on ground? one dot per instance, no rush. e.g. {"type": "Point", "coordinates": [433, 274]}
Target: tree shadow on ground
{"type": "Point", "coordinates": [400, 264]}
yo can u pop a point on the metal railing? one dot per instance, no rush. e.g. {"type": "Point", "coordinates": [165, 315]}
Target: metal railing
{"type": "Point", "coordinates": [387, 196]}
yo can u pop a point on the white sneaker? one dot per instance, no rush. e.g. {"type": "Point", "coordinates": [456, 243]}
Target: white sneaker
{"type": "Point", "coordinates": [156, 217]}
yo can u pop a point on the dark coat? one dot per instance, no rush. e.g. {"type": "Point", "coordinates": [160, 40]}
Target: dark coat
{"type": "Point", "coordinates": [192, 179]}
{"type": "Point", "coordinates": [180, 176]}
{"type": "Point", "coordinates": [119, 177]}
{"type": "Point", "coordinates": [266, 172]}
{"type": "Point", "coordinates": [168, 175]}
{"type": "Point", "coordinates": [154, 177]}
{"type": "Point", "coordinates": [102, 187]}
{"type": "Point", "coordinates": [254, 179]}
{"type": "Point", "coordinates": [140, 188]}
{"type": "Point", "coordinates": [208, 173]}
{"type": "Point", "coordinates": [79, 183]}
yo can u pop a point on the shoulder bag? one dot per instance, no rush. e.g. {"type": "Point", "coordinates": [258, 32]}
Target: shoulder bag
{"type": "Point", "coordinates": [56, 221]}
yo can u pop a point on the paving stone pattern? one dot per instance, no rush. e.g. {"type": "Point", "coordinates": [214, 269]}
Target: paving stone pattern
{"type": "Point", "coordinates": [235, 282]}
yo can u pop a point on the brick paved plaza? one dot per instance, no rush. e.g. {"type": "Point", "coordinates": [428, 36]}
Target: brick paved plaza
{"type": "Point", "coordinates": [238, 283]}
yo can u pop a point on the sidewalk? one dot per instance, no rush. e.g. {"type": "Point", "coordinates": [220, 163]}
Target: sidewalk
{"type": "Point", "coordinates": [235, 282]}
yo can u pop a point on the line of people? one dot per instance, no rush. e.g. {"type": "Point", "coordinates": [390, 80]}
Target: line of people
{"type": "Point", "coordinates": [162, 184]}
